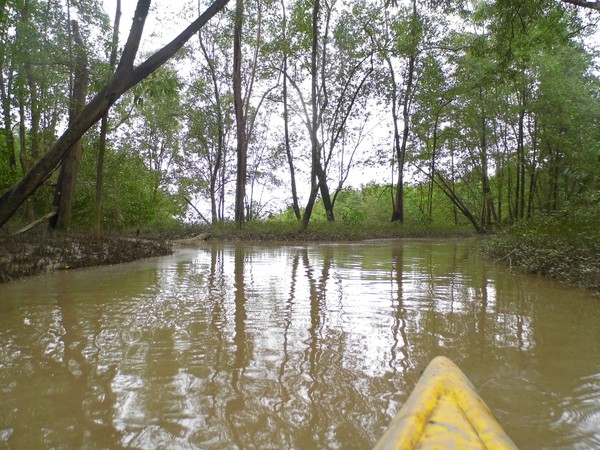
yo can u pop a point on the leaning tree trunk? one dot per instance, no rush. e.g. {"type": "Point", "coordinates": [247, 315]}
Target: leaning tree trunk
{"type": "Point", "coordinates": [126, 76]}
{"type": "Point", "coordinates": [67, 179]}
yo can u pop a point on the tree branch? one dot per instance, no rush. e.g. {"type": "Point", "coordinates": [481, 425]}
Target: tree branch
{"type": "Point", "coordinates": [124, 78]}
{"type": "Point", "coordinates": [584, 4]}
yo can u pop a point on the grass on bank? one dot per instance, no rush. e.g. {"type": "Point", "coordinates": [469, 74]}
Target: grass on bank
{"type": "Point", "coordinates": [323, 231]}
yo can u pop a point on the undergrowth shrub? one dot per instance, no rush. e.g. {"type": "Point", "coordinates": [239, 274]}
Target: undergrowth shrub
{"type": "Point", "coordinates": [564, 246]}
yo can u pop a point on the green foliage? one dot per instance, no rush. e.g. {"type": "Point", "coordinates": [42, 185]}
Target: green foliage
{"type": "Point", "coordinates": [562, 245]}
{"type": "Point", "coordinates": [130, 201]}
{"type": "Point", "coordinates": [300, 25]}
{"type": "Point", "coordinates": [507, 60]}
{"type": "Point", "coordinates": [368, 210]}
{"type": "Point", "coordinates": [8, 175]}
{"type": "Point", "coordinates": [289, 229]}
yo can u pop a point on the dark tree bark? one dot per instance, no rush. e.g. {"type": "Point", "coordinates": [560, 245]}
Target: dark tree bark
{"type": "Point", "coordinates": [125, 77]}
{"type": "Point", "coordinates": [5, 97]}
{"type": "Point", "coordinates": [487, 208]}
{"type": "Point", "coordinates": [318, 109]}
{"type": "Point", "coordinates": [520, 178]}
{"type": "Point", "coordinates": [67, 179]}
{"type": "Point", "coordinates": [317, 176]}
{"type": "Point", "coordinates": [286, 128]}
{"type": "Point", "coordinates": [448, 190]}
{"type": "Point", "coordinates": [398, 203]}
{"type": "Point", "coordinates": [433, 161]}
{"type": "Point", "coordinates": [240, 117]}
{"type": "Point", "coordinates": [314, 187]}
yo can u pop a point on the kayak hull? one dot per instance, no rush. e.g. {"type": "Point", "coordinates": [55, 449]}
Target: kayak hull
{"type": "Point", "coordinates": [444, 412]}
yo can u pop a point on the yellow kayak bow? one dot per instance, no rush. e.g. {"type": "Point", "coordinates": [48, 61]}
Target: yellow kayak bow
{"type": "Point", "coordinates": [444, 412]}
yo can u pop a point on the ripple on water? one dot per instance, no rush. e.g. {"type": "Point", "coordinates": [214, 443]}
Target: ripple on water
{"type": "Point", "coordinates": [289, 347]}
{"type": "Point", "coordinates": [580, 415]}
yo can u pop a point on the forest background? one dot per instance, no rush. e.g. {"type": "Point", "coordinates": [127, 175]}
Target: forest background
{"type": "Point", "coordinates": [474, 114]}
{"type": "Point", "coordinates": [477, 111]}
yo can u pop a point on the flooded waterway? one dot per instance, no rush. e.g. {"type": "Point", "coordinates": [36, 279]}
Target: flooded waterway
{"type": "Point", "coordinates": [311, 346]}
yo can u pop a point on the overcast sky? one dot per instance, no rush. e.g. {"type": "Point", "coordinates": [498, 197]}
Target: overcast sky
{"type": "Point", "coordinates": [157, 32]}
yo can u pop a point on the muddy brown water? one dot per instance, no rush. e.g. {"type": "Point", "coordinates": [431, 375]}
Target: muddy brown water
{"type": "Point", "coordinates": [268, 346]}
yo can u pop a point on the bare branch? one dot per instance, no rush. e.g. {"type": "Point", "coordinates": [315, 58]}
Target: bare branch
{"type": "Point", "coordinates": [584, 4]}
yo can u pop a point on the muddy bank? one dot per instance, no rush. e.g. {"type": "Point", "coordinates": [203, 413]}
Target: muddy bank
{"type": "Point", "coordinates": [32, 254]}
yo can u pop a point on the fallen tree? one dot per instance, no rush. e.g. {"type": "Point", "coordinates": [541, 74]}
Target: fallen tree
{"type": "Point", "coordinates": [125, 77]}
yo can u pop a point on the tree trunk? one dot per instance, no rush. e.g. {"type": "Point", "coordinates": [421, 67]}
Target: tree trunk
{"type": "Point", "coordinates": [314, 147]}
{"type": "Point", "coordinates": [288, 149]}
{"type": "Point", "coordinates": [67, 179]}
{"type": "Point", "coordinates": [5, 97]}
{"type": "Point", "coordinates": [104, 127]}
{"type": "Point", "coordinates": [318, 108]}
{"type": "Point", "coordinates": [398, 205]}
{"type": "Point", "coordinates": [125, 77]}
{"type": "Point", "coordinates": [532, 177]}
{"type": "Point", "coordinates": [286, 127]}
{"type": "Point", "coordinates": [591, 4]}
{"type": "Point", "coordinates": [448, 190]}
{"type": "Point", "coordinates": [398, 209]}
{"type": "Point", "coordinates": [318, 175]}
{"type": "Point", "coordinates": [431, 171]}
{"type": "Point", "coordinates": [216, 169]}
{"type": "Point", "coordinates": [520, 179]}
{"type": "Point", "coordinates": [240, 117]}
{"type": "Point", "coordinates": [487, 208]}
{"type": "Point", "coordinates": [24, 160]}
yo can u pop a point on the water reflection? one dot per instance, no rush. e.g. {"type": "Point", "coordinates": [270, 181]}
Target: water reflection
{"type": "Point", "coordinates": [234, 346]}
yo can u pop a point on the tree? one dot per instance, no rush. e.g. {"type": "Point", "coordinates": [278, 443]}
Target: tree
{"type": "Point", "coordinates": [209, 115]}
{"type": "Point", "coordinates": [286, 110]}
{"type": "Point", "coordinates": [155, 133]}
{"type": "Point", "coordinates": [399, 45]}
{"type": "Point", "coordinates": [584, 4]}
{"type": "Point", "coordinates": [8, 158]}
{"type": "Point", "coordinates": [104, 125]}
{"type": "Point", "coordinates": [126, 76]}
{"type": "Point", "coordinates": [338, 63]}
{"type": "Point", "coordinates": [67, 179]}
{"type": "Point", "coordinates": [240, 115]}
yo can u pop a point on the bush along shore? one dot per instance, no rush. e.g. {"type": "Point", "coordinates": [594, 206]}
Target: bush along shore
{"type": "Point", "coordinates": [564, 246]}
{"type": "Point", "coordinates": [36, 253]}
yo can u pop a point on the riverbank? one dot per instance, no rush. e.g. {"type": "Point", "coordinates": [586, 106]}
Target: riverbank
{"type": "Point", "coordinates": [38, 252]}
{"type": "Point", "coordinates": [564, 247]}
{"type": "Point", "coordinates": [42, 252]}
{"type": "Point", "coordinates": [279, 231]}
